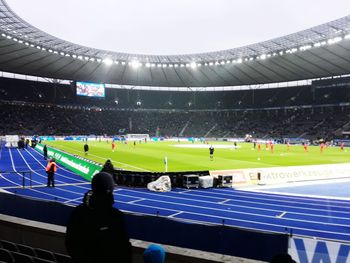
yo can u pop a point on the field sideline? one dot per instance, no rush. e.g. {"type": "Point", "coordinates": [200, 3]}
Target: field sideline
{"type": "Point", "coordinates": [150, 156]}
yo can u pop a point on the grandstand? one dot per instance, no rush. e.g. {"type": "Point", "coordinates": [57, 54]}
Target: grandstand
{"type": "Point", "coordinates": [293, 89]}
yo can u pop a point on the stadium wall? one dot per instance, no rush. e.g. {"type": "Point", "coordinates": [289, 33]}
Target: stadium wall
{"type": "Point", "coordinates": [218, 239]}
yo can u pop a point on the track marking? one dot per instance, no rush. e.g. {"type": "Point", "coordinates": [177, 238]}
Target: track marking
{"type": "Point", "coordinates": [281, 215]}
{"type": "Point", "coordinates": [135, 201]}
{"type": "Point", "coordinates": [225, 201]}
{"type": "Point", "coordinates": [178, 213]}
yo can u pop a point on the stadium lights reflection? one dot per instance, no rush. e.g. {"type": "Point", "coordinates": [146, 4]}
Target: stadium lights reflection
{"type": "Point", "coordinates": [108, 61]}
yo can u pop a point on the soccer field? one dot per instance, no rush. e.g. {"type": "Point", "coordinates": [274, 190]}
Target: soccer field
{"type": "Point", "coordinates": [185, 156]}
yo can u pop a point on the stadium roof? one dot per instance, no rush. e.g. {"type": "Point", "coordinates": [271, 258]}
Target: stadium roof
{"type": "Point", "coordinates": [321, 51]}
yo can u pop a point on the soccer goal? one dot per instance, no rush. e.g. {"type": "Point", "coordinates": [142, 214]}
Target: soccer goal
{"type": "Point", "coordinates": [137, 137]}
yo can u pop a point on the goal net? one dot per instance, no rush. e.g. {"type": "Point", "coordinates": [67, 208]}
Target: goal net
{"type": "Point", "coordinates": [137, 137]}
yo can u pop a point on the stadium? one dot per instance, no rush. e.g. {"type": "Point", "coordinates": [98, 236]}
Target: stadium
{"type": "Point", "coordinates": [230, 154]}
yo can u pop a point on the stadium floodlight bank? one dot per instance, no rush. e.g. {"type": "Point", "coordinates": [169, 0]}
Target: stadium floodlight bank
{"type": "Point", "coordinates": [137, 137]}
{"type": "Point", "coordinates": [11, 141]}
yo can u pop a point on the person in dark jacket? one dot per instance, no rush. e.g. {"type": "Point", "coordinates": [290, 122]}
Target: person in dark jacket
{"type": "Point", "coordinates": [109, 168]}
{"type": "Point", "coordinates": [45, 152]}
{"type": "Point", "coordinates": [86, 148]}
{"type": "Point", "coordinates": [96, 230]}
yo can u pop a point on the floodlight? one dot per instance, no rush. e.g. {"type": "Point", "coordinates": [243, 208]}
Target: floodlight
{"type": "Point", "coordinates": [239, 61]}
{"type": "Point", "coordinates": [263, 56]}
{"type": "Point", "coordinates": [20, 41]}
{"type": "Point", "coordinates": [138, 103]}
{"type": "Point", "coordinates": [153, 65]}
{"type": "Point", "coordinates": [99, 60]}
{"type": "Point", "coordinates": [4, 35]}
{"type": "Point", "coordinates": [199, 65]}
{"type": "Point", "coordinates": [281, 52]}
{"type": "Point", "coordinates": [211, 63]}
{"type": "Point", "coordinates": [116, 102]}
{"type": "Point", "coordinates": [187, 65]}
{"type": "Point", "coordinates": [182, 65]}
{"type": "Point", "coordinates": [9, 37]}
{"type": "Point", "coordinates": [176, 65]}
{"type": "Point", "coordinates": [193, 65]}
{"type": "Point", "coordinates": [86, 58]}
{"type": "Point", "coordinates": [123, 62]}
{"type": "Point", "coordinates": [50, 50]}
{"type": "Point", "coordinates": [347, 36]}
{"type": "Point", "coordinates": [334, 40]}
{"type": "Point", "coordinates": [91, 59]}
{"type": "Point", "coordinates": [159, 65]}
{"type": "Point", "coordinates": [222, 62]}
{"type": "Point", "coordinates": [27, 44]}
{"type": "Point", "coordinates": [15, 39]}
{"type": "Point", "coordinates": [116, 62]}
{"type": "Point", "coordinates": [135, 64]}
{"type": "Point", "coordinates": [164, 65]}
{"type": "Point", "coordinates": [108, 61]}
{"type": "Point", "coordinates": [171, 65]}
{"type": "Point", "coordinates": [148, 65]}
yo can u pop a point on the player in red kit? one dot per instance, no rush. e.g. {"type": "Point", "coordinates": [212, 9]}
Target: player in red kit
{"type": "Point", "coordinates": [321, 147]}
{"type": "Point", "coordinates": [342, 146]}
{"type": "Point", "coordinates": [288, 147]}
{"type": "Point", "coordinates": [272, 146]}
{"type": "Point", "coordinates": [305, 147]}
{"type": "Point", "coordinates": [113, 146]}
{"type": "Point", "coordinates": [259, 147]}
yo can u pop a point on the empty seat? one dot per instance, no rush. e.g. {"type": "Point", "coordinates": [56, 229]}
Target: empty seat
{"type": "Point", "coordinates": [22, 258]}
{"type": "Point", "coordinates": [26, 250]}
{"type": "Point", "coordinates": [41, 260]}
{"type": "Point", "coordinates": [9, 245]}
{"type": "Point", "coordinates": [61, 258]}
{"type": "Point", "coordinates": [45, 254]}
{"type": "Point", "coordinates": [6, 256]}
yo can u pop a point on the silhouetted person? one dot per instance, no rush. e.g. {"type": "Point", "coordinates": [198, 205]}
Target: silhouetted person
{"type": "Point", "coordinates": [45, 152]}
{"type": "Point", "coordinates": [86, 148]}
{"type": "Point", "coordinates": [96, 230]}
{"type": "Point", "coordinates": [109, 168]}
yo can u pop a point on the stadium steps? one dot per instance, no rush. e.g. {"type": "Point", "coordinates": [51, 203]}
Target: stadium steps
{"type": "Point", "coordinates": [210, 130]}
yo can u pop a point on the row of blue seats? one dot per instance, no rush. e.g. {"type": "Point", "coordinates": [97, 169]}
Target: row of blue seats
{"type": "Point", "coordinates": [18, 253]}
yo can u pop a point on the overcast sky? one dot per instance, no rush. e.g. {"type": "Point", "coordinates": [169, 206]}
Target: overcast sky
{"type": "Point", "coordinates": [175, 26]}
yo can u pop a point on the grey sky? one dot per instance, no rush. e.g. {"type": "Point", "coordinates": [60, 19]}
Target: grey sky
{"type": "Point", "coordinates": [175, 26]}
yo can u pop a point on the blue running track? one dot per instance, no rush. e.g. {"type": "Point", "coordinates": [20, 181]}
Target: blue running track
{"type": "Point", "coordinates": [281, 213]}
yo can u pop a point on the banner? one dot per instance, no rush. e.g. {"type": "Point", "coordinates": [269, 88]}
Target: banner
{"type": "Point", "coordinates": [307, 250]}
{"type": "Point", "coordinates": [77, 164]}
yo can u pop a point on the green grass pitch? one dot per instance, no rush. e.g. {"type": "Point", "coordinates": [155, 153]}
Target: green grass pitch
{"type": "Point", "coordinates": [150, 156]}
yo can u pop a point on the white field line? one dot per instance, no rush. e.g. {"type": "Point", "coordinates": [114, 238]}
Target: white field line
{"type": "Point", "coordinates": [105, 159]}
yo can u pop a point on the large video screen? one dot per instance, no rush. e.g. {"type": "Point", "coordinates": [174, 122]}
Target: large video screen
{"type": "Point", "coordinates": [90, 89]}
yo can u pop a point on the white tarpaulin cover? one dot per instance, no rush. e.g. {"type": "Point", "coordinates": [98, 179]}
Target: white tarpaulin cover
{"type": "Point", "coordinates": [162, 184]}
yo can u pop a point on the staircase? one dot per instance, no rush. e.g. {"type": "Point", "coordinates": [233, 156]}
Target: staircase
{"type": "Point", "coordinates": [184, 128]}
{"type": "Point", "coordinates": [211, 129]}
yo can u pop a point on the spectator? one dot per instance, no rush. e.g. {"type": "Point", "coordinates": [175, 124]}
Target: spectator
{"type": "Point", "coordinates": [109, 168]}
{"type": "Point", "coordinates": [86, 148]}
{"type": "Point", "coordinates": [51, 169]}
{"type": "Point", "coordinates": [45, 152]}
{"type": "Point", "coordinates": [96, 231]}
{"type": "Point", "coordinates": [154, 254]}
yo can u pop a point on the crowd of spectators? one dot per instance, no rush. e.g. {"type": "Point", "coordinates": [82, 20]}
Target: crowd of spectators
{"type": "Point", "coordinates": [318, 110]}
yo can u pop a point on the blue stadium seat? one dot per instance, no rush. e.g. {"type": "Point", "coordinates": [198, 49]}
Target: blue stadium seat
{"type": "Point", "coordinates": [22, 258]}
{"type": "Point", "coordinates": [9, 245]}
{"type": "Point", "coordinates": [45, 254]}
{"type": "Point", "coordinates": [26, 250]}
{"type": "Point", "coordinates": [61, 258]}
{"type": "Point", "coordinates": [6, 256]}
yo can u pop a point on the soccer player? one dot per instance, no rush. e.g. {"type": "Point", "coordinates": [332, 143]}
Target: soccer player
{"type": "Point", "coordinates": [113, 146]}
{"type": "Point", "coordinates": [342, 146]}
{"type": "Point", "coordinates": [305, 147]}
{"type": "Point", "coordinates": [321, 147]}
{"type": "Point", "coordinates": [288, 147]}
{"type": "Point", "coordinates": [272, 146]}
{"type": "Point", "coordinates": [211, 152]}
{"type": "Point", "coordinates": [259, 147]}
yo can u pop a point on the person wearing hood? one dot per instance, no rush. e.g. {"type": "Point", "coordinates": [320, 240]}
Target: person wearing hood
{"type": "Point", "coordinates": [96, 231]}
